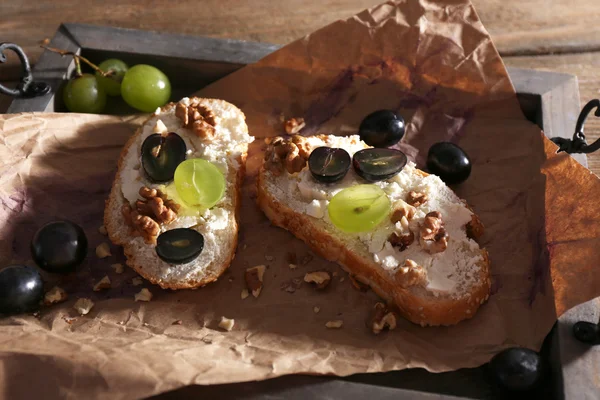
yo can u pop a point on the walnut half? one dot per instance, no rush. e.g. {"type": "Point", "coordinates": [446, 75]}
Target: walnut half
{"type": "Point", "coordinates": [433, 236]}
{"type": "Point", "coordinates": [416, 199]}
{"type": "Point", "coordinates": [284, 153]}
{"type": "Point", "coordinates": [149, 213]}
{"type": "Point", "coordinates": [201, 119]}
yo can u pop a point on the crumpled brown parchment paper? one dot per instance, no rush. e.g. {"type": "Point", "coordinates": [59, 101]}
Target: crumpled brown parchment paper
{"type": "Point", "coordinates": [435, 64]}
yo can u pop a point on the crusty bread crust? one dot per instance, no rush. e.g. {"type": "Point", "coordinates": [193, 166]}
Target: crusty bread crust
{"type": "Point", "coordinates": [415, 304]}
{"type": "Point", "coordinates": [114, 225]}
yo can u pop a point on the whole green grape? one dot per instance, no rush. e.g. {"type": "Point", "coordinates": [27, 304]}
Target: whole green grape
{"type": "Point", "coordinates": [199, 183]}
{"type": "Point", "coordinates": [359, 208]}
{"type": "Point", "coordinates": [145, 88]}
{"type": "Point", "coordinates": [112, 83]}
{"type": "Point", "coordinates": [83, 94]}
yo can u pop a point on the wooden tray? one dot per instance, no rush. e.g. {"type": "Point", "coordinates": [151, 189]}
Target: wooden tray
{"type": "Point", "coordinates": [550, 100]}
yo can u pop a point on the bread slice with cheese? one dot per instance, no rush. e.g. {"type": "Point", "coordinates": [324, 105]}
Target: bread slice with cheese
{"type": "Point", "coordinates": [431, 283]}
{"type": "Point", "coordinates": [214, 130]}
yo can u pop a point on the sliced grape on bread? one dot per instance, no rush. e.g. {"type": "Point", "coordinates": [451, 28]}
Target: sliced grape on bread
{"type": "Point", "coordinates": [139, 208]}
{"type": "Point", "coordinates": [423, 257]}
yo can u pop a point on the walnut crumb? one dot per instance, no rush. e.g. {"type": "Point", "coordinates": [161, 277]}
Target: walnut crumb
{"type": "Point", "coordinates": [103, 250]}
{"type": "Point", "coordinates": [118, 268]}
{"type": "Point", "coordinates": [416, 199]}
{"type": "Point", "coordinates": [433, 235]}
{"type": "Point", "coordinates": [104, 283]}
{"type": "Point", "coordinates": [245, 293]}
{"type": "Point", "coordinates": [143, 295]}
{"type": "Point", "coordinates": [316, 309]}
{"type": "Point", "coordinates": [102, 230]}
{"type": "Point", "coordinates": [294, 125]}
{"type": "Point", "coordinates": [402, 210]}
{"type": "Point", "coordinates": [69, 320]}
{"type": "Point", "coordinates": [411, 274]}
{"type": "Point", "coordinates": [292, 266]}
{"type": "Point", "coordinates": [83, 305]}
{"type": "Point", "coordinates": [382, 318]}
{"type": "Point", "coordinates": [402, 241]}
{"type": "Point", "coordinates": [336, 324]}
{"type": "Point", "coordinates": [55, 295]}
{"type": "Point", "coordinates": [226, 324]}
{"type": "Point", "coordinates": [254, 279]}
{"type": "Point", "coordinates": [320, 278]}
{"type": "Point", "coordinates": [137, 281]}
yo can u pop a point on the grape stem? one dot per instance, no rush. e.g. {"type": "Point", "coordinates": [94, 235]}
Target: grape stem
{"type": "Point", "coordinates": [77, 58]}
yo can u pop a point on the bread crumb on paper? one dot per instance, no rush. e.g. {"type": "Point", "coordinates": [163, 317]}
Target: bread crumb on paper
{"type": "Point", "coordinates": [103, 250]}
{"type": "Point", "coordinates": [69, 320]}
{"type": "Point", "coordinates": [254, 279]}
{"type": "Point", "coordinates": [336, 324]}
{"type": "Point", "coordinates": [137, 281]}
{"type": "Point", "coordinates": [245, 293]}
{"type": "Point", "coordinates": [226, 324]}
{"type": "Point", "coordinates": [118, 268]}
{"type": "Point", "coordinates": [83, 306]}
{"type": "Point", "coordinates": [292, 266]}
{"type": "Point", "coordinates": [104, 283]}
{"type": "Point", "coordinates": [321, 279]}
{"type": "Point", "coordinates": [55, 295]}
{"type": "Point", "coordinates": [102, 230]}
{"type": "Point", "coordinates": [269, 258]}
{"type": "Point", "coordinates": [316, 309]}
{"type": "Point", "coordinates": [143, 295]}
{"type": "Point", "coordinates": [178, 322]}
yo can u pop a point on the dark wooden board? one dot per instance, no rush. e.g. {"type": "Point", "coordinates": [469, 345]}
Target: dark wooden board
{"type": "Point", "coordinates": [550, 100]}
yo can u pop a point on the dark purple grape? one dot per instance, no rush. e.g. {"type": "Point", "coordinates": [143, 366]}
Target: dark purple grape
{"type": "Point", "coordinates": [59, 247]}
{"type": "Point", "coordinates": [382, 128]}
{"type": "Point", "coordinates": [517, 368]}
{"type": "Point", "coordinates": [449, 162]}
{"type": "Point", "coordinates": [21, 289]}
{"type": "Point", "coordinates": [179, 246]}
{"type": "Point", "coordinates": [328, 164]}
{"type": "Point", "coordinates": [161, 155]}
{"type": "Point", "coordinates": [587, 332]}
{"type": "Point", "coordinates": [378, 164]}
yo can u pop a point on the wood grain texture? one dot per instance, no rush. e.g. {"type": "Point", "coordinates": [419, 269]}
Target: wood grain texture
{"type": "Point", "coordinates": [517, 26]}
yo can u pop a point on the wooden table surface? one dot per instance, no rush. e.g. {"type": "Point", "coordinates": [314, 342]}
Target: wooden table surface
{"type": "Point", "coordinates": [558, 35]}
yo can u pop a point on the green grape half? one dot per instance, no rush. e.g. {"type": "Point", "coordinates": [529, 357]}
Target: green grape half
{"type": "Point", "coordinates": [199, 183]}
{"type": "Point", "coordinates": [359, 208]}
{"type": "Point", "coordinates": [83, 94]}
{"type": "Point", "coordinates": [145, 88]}
{"type": "Point", "coordinates": [112, 83]}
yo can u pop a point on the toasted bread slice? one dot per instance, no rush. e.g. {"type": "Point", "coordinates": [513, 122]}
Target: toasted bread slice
{"type": "Point", "coordinates": [226, 147]}
{"type": "Point", "coordinates": [438, 288]}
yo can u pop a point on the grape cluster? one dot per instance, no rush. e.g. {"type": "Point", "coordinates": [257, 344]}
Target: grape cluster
{"type": "Point", "coordinates": [143, 87]}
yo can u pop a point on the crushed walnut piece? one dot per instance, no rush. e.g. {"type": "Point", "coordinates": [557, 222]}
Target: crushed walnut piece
{"type": "Point", "coordinates": [303, 146]}
{"type": "Point", "coordinates": [201, 119]}
{"type": "Point", "coordinates": [382, 318]}
{"type": "Point", "coordinates": [411, 274]}
{"type": "Point", "coordinates": [433, 235]}
{"type": "Point", "coordinates": [474, 228]}
{"type": "Point", "coordinates": [284, 153]}
{"type": "Point", "coordinates": [321, 279]}
{"type": "Point", "coordinates": [402, 241]}
{"type": "Point", "coordinates": [226, 324]}
{"type": "Point", "coordinates": [254, 279]}
{"type": "Point", "coordinates": [55, 295]}
{"type": "Point", "coordinates": [137, 281]}
{"type": "Point", "coordinates": [416, 199]}
{"type": "Point", "coordinates": [336, 324]}
{"type": "Point", "coordinates": [358, 285]}
{"type": "Point", "coordinates": [294, 125]}
{"type": "Point", "coordinates": [103, 250]}
{"type": "Point", "coordinates": [83, 305]}
{"type": "Point", "coordinates": [143, 295]}
{"type": "Point", "coordinates": [118, 268]}
{"type": "Point", "coordinates": [104, 283]}
{"type": "Point", "coordinates": [145, 218]}
{"type": "Point", "coordinates": [403, 210]}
